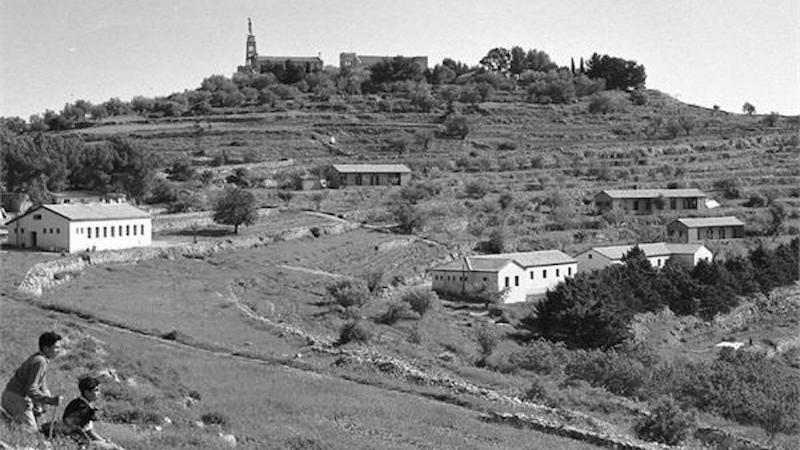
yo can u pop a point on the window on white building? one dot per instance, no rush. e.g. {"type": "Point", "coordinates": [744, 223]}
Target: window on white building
{"type": "Point", "coordinates": [127, 230]}
{"type": "Point", "coordinates": [97, 232]}
{"type": "Point", "coordinates": [557, 273]}
{"type": "Point", "coordinates": [569, 270]}
{"type": "Point", "coordinates": [105, 231]}
{"type": "Point", "coordinates": [507, 281]}
{"type": "Point", "coordinates": [531, 274]}
{"type": "Point", "coordinates": [112, 231]}
{"type": "Point", "coordinates": [544, 273]}
{"type": "Point", "coordinates": [89, 235]}
{"type": "Point", "coordinates": [37, 217]}
{"type": "Point", "coordinates": [44, 231]}
{"type": "Point", "coordinates": [134, 230]}
{"type": "Point", "coordinates": [58, 230]}
{"type": "Point", "coordinates": [516, 280]}
{"type": "Point", "coordinates": [141, 231]}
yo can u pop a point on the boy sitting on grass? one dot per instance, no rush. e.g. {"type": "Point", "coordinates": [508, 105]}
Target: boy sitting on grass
{"type": "Point", "coordinates": [80, 414]}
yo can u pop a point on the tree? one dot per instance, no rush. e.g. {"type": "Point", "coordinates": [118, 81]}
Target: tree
{"type": "Point", "coordinates": [318, 198]}
{"type": "Point", "coordinates": [455, 126]}
{"type": "Point", "coordinates": [349, 292]}
{"type": "Point", "coordinates": [777, 216]}
{"type": "Point", "coordinates": [421, 300]}
{"type": "Point", "coordinates": [236, 207]}
{"type": "Point", "coordinates": [497, 59]}
{"type": "Point", "coordinates": [748, 108]}
{"type": "Point", "coordinates": [285, 196]}
{"type": "Point", "coordinates": [667, 423]}
{"type": "Point", "coordinates": [181, 170]}
{"type": "Point", "coordinates": [497, 241]}
{"type": "Point", "coordinates": [409, 218]}
{"type": "Point", "coordinates": [618, 73]}
{"type": "Point", "coordinates": [517, 63]}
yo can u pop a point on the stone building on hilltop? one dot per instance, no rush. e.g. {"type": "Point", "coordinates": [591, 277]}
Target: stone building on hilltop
{"type": "Point", "coordinates": [253, 61]}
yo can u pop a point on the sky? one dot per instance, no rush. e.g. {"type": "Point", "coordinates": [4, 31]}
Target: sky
{"type": "Point", "coordinates": [705, 52]}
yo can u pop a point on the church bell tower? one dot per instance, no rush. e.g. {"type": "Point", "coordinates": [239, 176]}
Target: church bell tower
{"type": "Point", "coordinates": [250, 51]}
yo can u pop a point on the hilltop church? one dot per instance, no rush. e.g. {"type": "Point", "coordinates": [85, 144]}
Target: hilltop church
{"type": "Point", "coordinates": [253, 61]}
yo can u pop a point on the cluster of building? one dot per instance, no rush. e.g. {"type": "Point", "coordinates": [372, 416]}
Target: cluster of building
{"type": "Point", "coordinates": [528, 274]}
{"type": "Point", "coordinates": [347, 60]}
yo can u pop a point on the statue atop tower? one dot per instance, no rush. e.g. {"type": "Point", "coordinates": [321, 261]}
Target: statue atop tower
{"type": "Point", "coordinates": [250, 51]}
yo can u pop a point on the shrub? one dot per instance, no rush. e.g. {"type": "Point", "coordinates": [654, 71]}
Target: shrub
{"type": "Point", "coordinates": [756, 200]}
{"type": "Point", "coordinates": [420, 300]}
{"type": "Point", "coordinates": [487, 338]}
{"type": "Point", "coordinates": [409, 218]}
{"type": "Point", "coordinates": [601, 104]}
{"type": "Point", "coordinates": [397, 311]}
{"type": "Point", "coordinates": [618, 373]}
{"type": "Point", "coordinates": [355, 331]}
{"type": "Point", "coordinates": [215, 418]}
{"type": "Point", "coordinates": [638, 97]}
{"type": "Point", "coordinates": [476, 189]}
{"type": "Point", "coordinates": [455, 126]}
{"type": "Point", "coordinates": [537, 393]}
{"type": "Point", "coordinates": [374, 280]}
{"type": "Point", "coordinates": [730, 187]}
{"type": "Point", "coordinates": [349, 292]}
{"type": "Point", "coordinates": [667, 423]}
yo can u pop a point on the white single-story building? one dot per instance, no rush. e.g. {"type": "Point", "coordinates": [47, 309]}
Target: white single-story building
{"type": "Point", "coordinates": [524, 274]}
{"type": "Point", "coordinates": [657, 253]}
{"type": "Point", "coordinates": [81, 227]}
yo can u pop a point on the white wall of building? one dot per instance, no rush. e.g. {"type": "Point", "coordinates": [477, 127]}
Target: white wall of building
{"type": "Point", "coordinates": [521, 282]}
{"type": "Point", "coordinates": [43, 229]}
{"type": "Point", "coordinates": [110, 234]}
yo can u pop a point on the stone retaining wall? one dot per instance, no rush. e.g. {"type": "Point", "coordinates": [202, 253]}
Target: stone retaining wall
{"type": "Point", "coordinates": [49, 274]}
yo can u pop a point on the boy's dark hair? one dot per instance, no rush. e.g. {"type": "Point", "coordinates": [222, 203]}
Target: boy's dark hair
{"type": "Point", "coordinates": [48, 339]}
{"type": "Point", "coordinates": [88, 383]}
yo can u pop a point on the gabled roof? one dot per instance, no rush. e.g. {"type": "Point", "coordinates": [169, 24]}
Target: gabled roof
{"type": "Point", "coordinates": [616, 252]}
{"type": "Point", "coordinates": [91, 211]}
{"type": "Point", "coordinates": [493, 263]}
{"type": "Point", "coordinates": [533, 259]}
{"type": "Point", "coordinates": [697, 222]}
{"type": "Point", "coordinates": [474, 264]}
{"type": "Point", "coordinates": [371, 168]}
{"type": "Point", "coordinates": [653, 193]}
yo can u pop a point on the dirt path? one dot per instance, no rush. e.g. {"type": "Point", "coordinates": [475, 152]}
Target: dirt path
{"type": "Point", "coordinates": [312, 271]}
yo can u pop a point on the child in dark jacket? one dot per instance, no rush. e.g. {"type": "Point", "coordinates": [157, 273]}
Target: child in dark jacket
{"type": "Point", "coordinates": [80, 414]}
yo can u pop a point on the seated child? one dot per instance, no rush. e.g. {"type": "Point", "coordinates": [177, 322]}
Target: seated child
{"type": "Point", "coordinates": [80, 414]}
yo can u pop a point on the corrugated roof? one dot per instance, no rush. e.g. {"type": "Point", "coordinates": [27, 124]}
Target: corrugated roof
{"type": "Point", "coordinates": [653, 193]}
{"type": "Point", "coordinates": [697, 222]}
{"type": "Point", "coordinates": [97, 211]}
{"type": "Point", "coordinates": [371, 168]}
{"type": "Point", "coordinates": [533, 259]}
{"type": "Point", "coordinates": [650, 250]}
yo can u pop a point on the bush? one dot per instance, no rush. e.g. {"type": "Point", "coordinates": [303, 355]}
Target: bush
{"type": "Point", "coordinates": [454, 126]}
{"type": "Point", "coordinates": [215, 418]}
{"type": "Point", "coordinates": [756, 200]}
{"type": "Point", "coordinates": [355, 331]}
{"type": "Point", "coordinates": [537, 393]}
{"type": "Point", "coordinates": [667, 423]}
{"type": "Point", "coordinates": [374, 280]}
{"type": "Point", "coordinates": [601, 104]}
{"type": "Point", "coordinates": [420, 300]}
{"type": "Point", "coordinates": [487, 338]}
{"type": "Point", "coordinates": [638, 97]}
{"type": "Point", "coordinates": [476, 189]}
{"type": "Point", "coordinates": [397, 311]}
{"type": "Point", "coordinates": [730, 187]}
{"type": "Point", "coordinates": [349, 292]}
{"type": "Point", "coordinates": [409, 218]}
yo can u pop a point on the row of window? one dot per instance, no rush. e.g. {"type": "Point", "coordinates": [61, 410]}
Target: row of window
{"type": "Point", "coordinates": [115, 231]}
{"type": "Point", "coordinates": [507, 280]}
{"type": "Point", "coordinates": [688, 203]}
{"type": "Point", "coordinates": [374, 180]}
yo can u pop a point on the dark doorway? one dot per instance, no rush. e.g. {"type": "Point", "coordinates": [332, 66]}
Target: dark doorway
{"type": "Point", "coordinates": [33, 239]}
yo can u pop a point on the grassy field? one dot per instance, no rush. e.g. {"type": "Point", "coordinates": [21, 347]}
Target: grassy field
{"type": "Point", "coordinates": [263, 405]}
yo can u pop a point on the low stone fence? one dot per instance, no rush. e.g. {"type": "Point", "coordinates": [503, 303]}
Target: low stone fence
{"type": "Point", "coordinates": [49, 274]}
{"type": "Point", "coordinates": [547, 425]}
